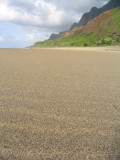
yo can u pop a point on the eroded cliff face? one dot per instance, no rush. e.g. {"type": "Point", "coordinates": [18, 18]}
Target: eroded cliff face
{"type": "Point", "coordinates": [94, 12]}
{"type": "Point", "coordinates": [92, 24]}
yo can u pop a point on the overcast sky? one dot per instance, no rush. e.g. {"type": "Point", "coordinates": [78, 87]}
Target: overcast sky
{"type": "Point", "coordinates": [23, 22]}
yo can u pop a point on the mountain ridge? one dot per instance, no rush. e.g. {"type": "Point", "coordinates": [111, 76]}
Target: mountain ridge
{"type": "Point", "coordinates": [94, 12]}
{"type": "Point", "coordinates": [100, 31]}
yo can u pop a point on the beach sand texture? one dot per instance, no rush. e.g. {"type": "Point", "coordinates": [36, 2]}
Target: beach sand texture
{"type": "Point", "coordinates": [59, 104]}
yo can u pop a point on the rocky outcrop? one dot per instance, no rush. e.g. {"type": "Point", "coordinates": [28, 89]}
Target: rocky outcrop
{"type": "Point", "coordinates": [55, 36]}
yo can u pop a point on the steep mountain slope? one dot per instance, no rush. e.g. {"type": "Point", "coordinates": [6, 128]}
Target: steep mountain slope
{"type": "Point", "coordinates": [94, 12]}
{"type": "Point", "coordinates": [92, 25]}
{"type": "Point", "coordinates": [102, 30]}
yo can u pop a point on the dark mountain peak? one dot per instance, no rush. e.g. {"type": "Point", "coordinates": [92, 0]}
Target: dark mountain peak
{"type": "Point", "coordinates": [113, 2]}
{"type": "Point", "coordinates": [55, 36]}
{"type": "Point", "coordinates": [93, 9]}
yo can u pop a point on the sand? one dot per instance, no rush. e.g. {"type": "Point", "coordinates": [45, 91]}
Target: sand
{"type": "Point", "coordinates": [60, 104]}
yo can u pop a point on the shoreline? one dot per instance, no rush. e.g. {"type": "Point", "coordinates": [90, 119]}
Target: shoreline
{"type": "Point", "coordinates": [104, 48]}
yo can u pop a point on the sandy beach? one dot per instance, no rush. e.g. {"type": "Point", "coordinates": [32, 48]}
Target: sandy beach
{"type": "Point", "coordinates": [96, 49]}
{"type": "Point", "coordinates": [60, 104]}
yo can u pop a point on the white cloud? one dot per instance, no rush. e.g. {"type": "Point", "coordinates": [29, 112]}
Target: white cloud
{"type": "Point", "coordinates": [30, 37]}
{"type": "Point", "coordinates": [23, 22]}
{"type": "Point", "coordinates": [1, 38]}
{"type": "Point", "coordinates": [79, 5]}
{"type": "Point", "coordinates": [45, 13]}
{"type": "Point", "coordinates": [35, 36]}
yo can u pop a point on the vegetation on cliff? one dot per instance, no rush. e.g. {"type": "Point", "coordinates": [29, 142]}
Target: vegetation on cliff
{"type": "Point", "coordinates": [102, 30]}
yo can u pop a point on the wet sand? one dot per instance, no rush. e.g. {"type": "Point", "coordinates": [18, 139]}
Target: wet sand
{"type": "Point", "coordinates": [60, 104]}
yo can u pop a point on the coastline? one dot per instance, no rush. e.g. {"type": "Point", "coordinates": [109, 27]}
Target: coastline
{"type": "Point", "coordinates": [106, 48]}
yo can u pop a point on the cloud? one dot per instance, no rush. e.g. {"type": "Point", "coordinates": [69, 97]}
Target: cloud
{"type": "Point", "coordinates": [78, 5]}
{"type": "Point", "coordinates": [42, 14]}
{"type": "Point", "coordinates": [30, 37]}
{"type": "Point", "coordinates": [36, 35]}
{"type": "Point", "coordinates": [23, 22]}
{"type": "Point", "coordinates": [45, 13]}
{"type": "Point", "coordinates": [1, 39]}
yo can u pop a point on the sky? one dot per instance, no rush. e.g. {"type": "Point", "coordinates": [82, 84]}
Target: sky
{"type": "Point", "coordinates": [23, 22]}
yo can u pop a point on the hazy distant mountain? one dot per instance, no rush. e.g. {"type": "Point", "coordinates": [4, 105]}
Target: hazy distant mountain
{"type": "Point", "coordinates": [55, 36]}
